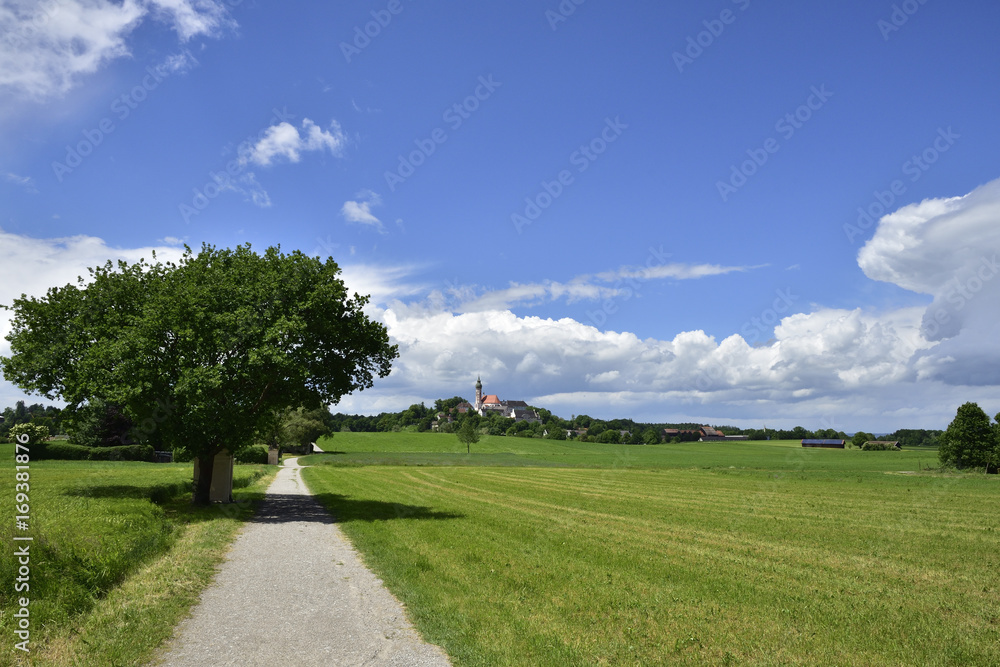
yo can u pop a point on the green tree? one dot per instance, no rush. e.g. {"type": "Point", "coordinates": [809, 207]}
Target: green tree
{"type": "Point", "coordinates": [556, 432]}
{"type": "Point", "coordinates": [610, 437]}
{"type": "Point", "coordinates": [100, 424]}
{"type": "Point", "coordinates": [300, 427]}
{"type": "Point", "coordinates": [210, 349]}
{"type": "Point", "coordinates": [860, 438]}
{"type": "Point", "coordinates": [468, 434]}
{"type": "Point", "coordinates": [970, 440]}
{"type": "Point", "coordinates": [650, 437]}
{"type": "Point", "coordinates": [994, 460]}
{"type": "Point", "coordinates": [446, 404]}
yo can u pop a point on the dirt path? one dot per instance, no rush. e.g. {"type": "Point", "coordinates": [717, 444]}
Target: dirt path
{"type": "Point", "coordinates": [294, 592]}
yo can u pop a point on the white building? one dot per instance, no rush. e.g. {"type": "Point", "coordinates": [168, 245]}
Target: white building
{"type": "Point", "coordinates": [516, 410]}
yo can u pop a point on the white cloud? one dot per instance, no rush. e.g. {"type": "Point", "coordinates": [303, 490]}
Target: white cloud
{"type": "Point", "coordinates": [361, 211]}
{"type": "Point", "coordinates": [676, 271]}
{"type": "Point", "coordinates": [382, 283]}
{"type": "Point", "coordinates": [285, 141]}
{"type": "Point", "coordinates": [25, 182]}
{"type": "Point", "coordinates": [840, 368]}
{"type": "Point", "coordinates": [178, 63]}
{"type": "Point", "coordinates": [49, 45]}
{"type": "Point", "coordinates": [191, 18]}
{"type": "Point", "coordinates": [248, 186]}
{"type": "Point", "coordinates": [948, 249]}
{"type": "Point", "coordinates": [849, 366]}
{"type": "Point", "coordinates": [624, 282]}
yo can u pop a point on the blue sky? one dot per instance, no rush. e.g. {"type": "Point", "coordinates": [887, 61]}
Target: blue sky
{"type": "Point", "coordinates": [638, 210]}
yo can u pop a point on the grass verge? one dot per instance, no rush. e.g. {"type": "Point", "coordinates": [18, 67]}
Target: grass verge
{"type": "Point", "coordinates": [119, 555]}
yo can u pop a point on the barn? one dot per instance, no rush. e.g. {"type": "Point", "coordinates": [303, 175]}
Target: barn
{"type": "Point", "coordinates": [827, 444]}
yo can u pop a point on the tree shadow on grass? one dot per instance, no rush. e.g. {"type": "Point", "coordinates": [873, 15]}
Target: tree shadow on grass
{"type": "Point", "coordinates": [345, 509]}
{"type": "Point", "coordinates": [156, 493]}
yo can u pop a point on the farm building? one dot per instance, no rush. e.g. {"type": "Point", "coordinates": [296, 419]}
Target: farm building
{"type": "Point", "coordinates": [703, 434]}
{"type": "Point", "coordinates": [828, 444]}
{"type": "Point", "coordinates": [709, 434]}
{"type": "Point", "coordinates": [681, 434]}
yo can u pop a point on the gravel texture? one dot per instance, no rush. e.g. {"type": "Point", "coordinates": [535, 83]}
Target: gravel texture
{"type": "Point", "coordinates": [293, 591]}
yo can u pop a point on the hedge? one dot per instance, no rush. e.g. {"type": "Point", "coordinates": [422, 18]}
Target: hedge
{"type": "Point", "coordinates": [871, 446]}
{"type": "Point", "coordinates": [63, 451]}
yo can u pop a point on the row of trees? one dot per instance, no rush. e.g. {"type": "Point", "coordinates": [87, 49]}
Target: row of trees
{"type": "Point", "coordinates": [100, 424]}
{"type": "Point", "coordinates": [104, 425]}
{"type": "Point", "coordinates": [420, 418]}
{"type": "Point", "coordinates": [48, 416]}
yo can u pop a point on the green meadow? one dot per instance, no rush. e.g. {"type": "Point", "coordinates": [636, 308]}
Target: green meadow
{"type": "Point", "coordinates": [118, 557]}
{"type": "Point", "coordinates": [538, 552]}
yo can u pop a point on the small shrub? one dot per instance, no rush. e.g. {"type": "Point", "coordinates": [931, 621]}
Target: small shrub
{"type": "Point", "coordinates": [36, 433]}
{"type": "Point", "coordinates": [182, 455]}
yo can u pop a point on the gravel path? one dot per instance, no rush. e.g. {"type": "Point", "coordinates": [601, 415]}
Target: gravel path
{"type": "Point", "coordinates": [293, 591]}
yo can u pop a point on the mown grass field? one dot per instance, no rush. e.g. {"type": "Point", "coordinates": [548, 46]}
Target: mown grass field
{"type": "Point", "coordinates": [701, 553]}
{"type": "Point", "coordinates": [118, 557]}
{"type": "Point", "coordinates": [348, 449]}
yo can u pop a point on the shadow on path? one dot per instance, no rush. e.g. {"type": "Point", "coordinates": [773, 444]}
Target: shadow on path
{"type": "Point", "coordinates": [286, 508]}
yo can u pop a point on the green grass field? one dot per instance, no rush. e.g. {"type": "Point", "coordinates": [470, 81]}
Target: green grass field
{"type": "Point", "coordinates": [352, 449]}
{"type": "Point", "coordinates": [535, 552]}
{"type": "Point", "coordinates": [119, 555]}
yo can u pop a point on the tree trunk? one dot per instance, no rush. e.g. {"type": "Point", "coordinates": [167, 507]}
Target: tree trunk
{"type": "Point", "coordinates": [203, 488]}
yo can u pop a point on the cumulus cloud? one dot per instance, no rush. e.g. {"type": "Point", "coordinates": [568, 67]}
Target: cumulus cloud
{"type": "Point", "coordinates": [361, 211]}
{"type": "Point", "coordinates": [284, 141]}
{"type": "Point", "coordinates": [837, 368]}
{"type": "Point", "coordinates": [948, 249]}
{"type": "Point", "coordinates": [830, 350]}
{"type": "Point", "coordinates": [833, 365]}
{"type": "Point", "coordinates": [48, 46]}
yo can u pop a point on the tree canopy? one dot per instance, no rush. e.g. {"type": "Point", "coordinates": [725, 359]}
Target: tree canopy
{"type": "Point", "coordinates": [970, 440]}
{"type": "Point", "coordinates": [208, 352]}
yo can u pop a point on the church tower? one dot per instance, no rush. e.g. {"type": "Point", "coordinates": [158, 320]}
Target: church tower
{"type": "Point", "coordinates": [479, 394]}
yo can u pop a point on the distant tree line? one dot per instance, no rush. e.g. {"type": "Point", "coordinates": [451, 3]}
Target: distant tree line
{"type": "Point", "coordinates": [100, 424]}
{"type": "Point", "coordinates": [48, 416]}
{"type": "Point", "coordinates": [446, 417]}
{"type": "Point", "coordinates": [106, 425]}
